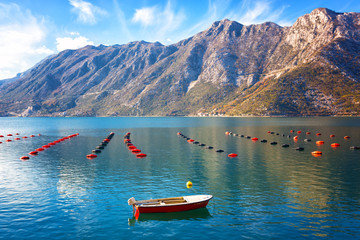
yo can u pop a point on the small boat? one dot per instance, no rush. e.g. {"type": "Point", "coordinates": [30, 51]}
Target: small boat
{"type": "Point", "coordinates": [173, 204]}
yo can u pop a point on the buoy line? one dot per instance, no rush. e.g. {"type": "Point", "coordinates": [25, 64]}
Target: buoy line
{"type": "Point", "coordinates": [132, 148]}
{"type": "Point", "coordinates": [46, 146]}
{"type": "Point", "coordinates": [190, 140]}
{"type": "Point", "coordinates": [255, 139]}
{"type": "Point", "coordinates": [101, 146]}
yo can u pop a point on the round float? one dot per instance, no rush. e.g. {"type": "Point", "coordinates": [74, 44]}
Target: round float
{"type": "Point", "coordinates": [232, 155]}
{"type": "Point", "coordinates": [141, 155]}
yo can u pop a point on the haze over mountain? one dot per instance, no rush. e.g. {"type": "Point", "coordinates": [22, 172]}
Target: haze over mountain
{"type": "Point", "coordinates": [310, 68]}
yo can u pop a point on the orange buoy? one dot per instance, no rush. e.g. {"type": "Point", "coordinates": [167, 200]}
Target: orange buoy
{"type": "Point", "coordinates": [296, 138]}
{"type": "Point", "coordinates": [91, 156]}
{"type": "Point", "coordinates": [335, 145]}
{"type": "Point", "coordinates": [255, 139]}
{"type": "Point", "coordinates": [232, 155]}
{"type": "Point", "coordinates": [24, 158]}
{"type": "Point", "coordinates": [319, 142]}
{"type": "Point", "coordinates": [141, 155]}
{"type": "Point", "coordinates": [332, 135]}
{"type": "Point", "coordinates": [316, 153]}
{"type": "Point", "coordinates": [40, 149]}
{"type": "Point", "coordinates": [318, 134]}
{"type": "Point", "coordinates": [227, 133]}
{"type": "Point", "coordinates": [298, 132]}
{"type": "Point", "coordinates": [135, 150]}
{"type": "Point", "coordinates": [33, 153]}
{"type": "Point", "coordinates": [191, 140]}
{"type": "Point", "coordinates": [179, 133]}
{"type": "Point", "coordinates": [346, 137]}
{"type": "Point", "coordinates": [308, 133]}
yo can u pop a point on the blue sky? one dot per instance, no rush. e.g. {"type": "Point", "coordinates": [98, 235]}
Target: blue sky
{"type": "Point", "coordinates": [30, 30]}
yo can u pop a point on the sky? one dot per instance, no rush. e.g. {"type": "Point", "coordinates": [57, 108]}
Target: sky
{"type": "Point", "coordinates": [31, 30]}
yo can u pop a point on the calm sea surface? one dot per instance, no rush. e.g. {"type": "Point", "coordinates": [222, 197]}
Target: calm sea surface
{"type": "Point", "coordinates": [267, 192]}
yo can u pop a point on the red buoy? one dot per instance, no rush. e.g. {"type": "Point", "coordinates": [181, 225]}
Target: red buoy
{"type": "Point", "coordinates": [91, 156]}
{"type": "Point", "coordinates": [17, 139]}
{"type": "Point", "coordinates": [296, 138]}
{"type": "Point", "coordinates": [335, 145]}
{"type": "Point", "coordinates": [1, 135]}
{"type": "Point", "coordinates": [346, 137]}
{"type": "Point", "coordinates": [298, 132]}
{"type": "Point", "coordinates": [45, 146]}
{"type": "Point", "coordinates": [127, 140]}
{"type": "Point", "coordinates": [106, 140]}
{"type": "Point", "coordinates": [332, 135]}
{"type": "Point", "coordinates": [17, 134]}
{"type": "Point", "coordinates": [24, 158]}
{"type": "Point", "coordinates": [255, 139]}
{"type": "Point", "coordinates": [40, 149]}
{"type": "Point", "coordinates": [318, 134]}
{"type": "Point", "coordinates": [316, 153]}
{"type": "Point", "coordinates": [132, 147]}
{"type": "Point", "coordinates": [135, 150]}
{"type": "Point", "coordinates": [320, 142]}
{"type": "Point", "coordinates": [33, 153]}
{"type": "Point", "coordinates": [9, 135]}
{"type": "Point", "coordinates": [8, 140]}
{"type": "Point", "coordinates": [24, 137]}
{"type": "Point", "coordinates": [191, 140]}
{"type": "Point", "coordinates": [141, 155]}
{"type": "Point", "coordinates": [308, 133]}
{"type": "Point", "coordinates": [179, 133]}
{"type": "Point", "coordinates": [232, 155]}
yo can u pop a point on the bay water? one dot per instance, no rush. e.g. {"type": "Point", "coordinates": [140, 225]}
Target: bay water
{"type": "Point", "coordinates": [266, 192]}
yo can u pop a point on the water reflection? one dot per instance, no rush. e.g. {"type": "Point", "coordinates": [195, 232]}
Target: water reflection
{"type": "Point", "coordinates": [193, 215]}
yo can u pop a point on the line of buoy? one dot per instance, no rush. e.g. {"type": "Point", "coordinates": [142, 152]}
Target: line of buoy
{"type": "Point", "coordinates": [132, 148]}
{"type": "Point", "coordinates": [101, 146]}
{"type": "Point", "coordinates": [42, 148]}
{"type": "Point", "coordinates": [189, 140]}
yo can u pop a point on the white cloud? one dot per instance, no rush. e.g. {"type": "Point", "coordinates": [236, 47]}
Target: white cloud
{"type": "Point", "coordinates": [86, 12]}
{"type": "Point", "coordinates": [159, 22]}
{"type": "Point", "coordinates": [145, 16]}
{"type": "Point", "coordinates": [22, 38]}
{"type": "Point", "coordinates": [72, 43]}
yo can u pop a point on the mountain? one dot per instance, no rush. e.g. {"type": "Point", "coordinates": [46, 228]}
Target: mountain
{"type": "Point", "coordinates": [310, 68]}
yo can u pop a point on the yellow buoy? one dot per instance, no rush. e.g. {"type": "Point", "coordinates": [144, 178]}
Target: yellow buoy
{"type": "Point", "coordinates": [189, 184]}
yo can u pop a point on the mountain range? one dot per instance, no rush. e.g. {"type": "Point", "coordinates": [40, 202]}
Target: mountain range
{"type": "Point", "coordinates": [229, 69]}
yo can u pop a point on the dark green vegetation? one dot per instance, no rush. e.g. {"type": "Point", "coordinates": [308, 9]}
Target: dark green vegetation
{"type": "Point", "coordinates": [310, 68]}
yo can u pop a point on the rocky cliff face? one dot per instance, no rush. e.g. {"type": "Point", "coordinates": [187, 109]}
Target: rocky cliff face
{"type": "Point", "coordinates": [309, 68]}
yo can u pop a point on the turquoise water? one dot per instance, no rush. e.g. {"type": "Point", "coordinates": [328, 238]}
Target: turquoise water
{"type": "Point", "coordinates": [267, 192]}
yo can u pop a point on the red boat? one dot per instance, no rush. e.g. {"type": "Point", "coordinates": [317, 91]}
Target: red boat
{"type": "Point", "coordinates": [173, 204]}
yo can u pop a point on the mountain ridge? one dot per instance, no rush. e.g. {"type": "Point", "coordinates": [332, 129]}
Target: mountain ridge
{"type": "Point", "coordinates": [230, 69]}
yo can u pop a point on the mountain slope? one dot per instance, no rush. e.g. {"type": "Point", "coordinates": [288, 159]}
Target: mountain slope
{"type": "Point", "coordinates": [310, 68]}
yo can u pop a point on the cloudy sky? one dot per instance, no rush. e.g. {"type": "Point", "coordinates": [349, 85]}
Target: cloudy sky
{"type": "Point", "coordinates": [31, 30]}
